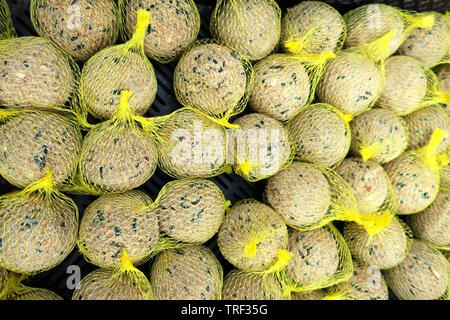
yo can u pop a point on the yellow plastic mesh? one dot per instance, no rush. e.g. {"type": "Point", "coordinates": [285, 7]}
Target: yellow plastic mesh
{"type": "Point", "coordinates": [368, 24]}
{"type": "Point", "coordinates": [35, 74]}
{"type": "Point", "coordinates": [190, 210]}
{"type": "Point", "coordinates": [430, 46]}
{"type": "Point", "coordinates": [174, 26]}
{"type": "Point", "coordinates": [312, 27]}
{"type": "Point", "coordinates": [191, 145]}
{"type": "Point", "coordinates": [33, 141]}
{"type": "Point", "coordinates": [80, 28]}
{"type": "Point", "coordinates": [385, 248]}
{"type": "Point", "coordinates": [240, 285]}
{"type": "Point", "coordinates": [319, 259]}
{"type": "Point", "coordinates": [318, 294]}
{"type": "Point", "coordinates": [414, 176]}
{"type": "Point", "coordinates": [262, 146]}
{"type": "Point", "coordinates": [18, 291]}
{"type": "Point", "coordinates": [3, 282]}
{"type": "Point", "coordinates": [367, 283]}
{"type": "Point", "coordinates": [252, 235]}
{"type": "Point", "coordinates": [444, 170]}
{"type": "Point", "coordinates": [119, 68]}
{"type": "Point", "coordinates": [124, 282]}
{"type": "Point", "coordinates": [433, 224]}
{"type": "Point", "coordinates": [378, 135]}
{"type": "Point", "coordinates": [421, 124]}
{"type": "Point", "coordinates": [38, 227]}
{"type": "Point", "coordinates": [213, 79]}
{"type": "Point", "coordinates": [351, 82]}
{"type": "Point", "coordinates": [116, 222]}
{"type": "Point", "coordinates": [409, 86]}
{"type": "Point", "coordinates": [446, 253]}
{"type": "Point", "coordinates": [189, 273]}
{"type": "Point", "coordinates": [251, 27]}
{"type": "Point", "coordinates": [443, 75]}
{"type": "Point", "coordinates": [321, 135]}
{"type": "Point", "coordinates": [119, 154]}
{"type": "Point", "coordinates": [285, 83]}
{"type": "Point", "coordinates": [422, 275]}
{"type": "Point", "coordinates": [6, 26]}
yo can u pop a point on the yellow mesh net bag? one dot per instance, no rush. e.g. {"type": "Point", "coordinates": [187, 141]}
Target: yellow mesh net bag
{"type": "Point", "coordinates": [6, 26]}
{"type": "Point", "coordinates": [250, 27]}
{"type": "Point", "coordinates": [38, 227]}
{"type": "Point", "coordinates": [431, 46]}
{"type": "Point", "coordinates": [18, 291]}
{"type": "Point", "coordinates": [252, 235]}
{"type": "Point", "coordinates": [262, 146]}
{"type": "Point", "coordinates": [382, 241]}
{"type": "Point", "coordinates": [369, 23]}
{"type": "Point", "coordinates": [367, 283]}
{"type": "Point", "coordinates": [213, 79]}
{"type": "Point", "coordinates": [414, 176]}
{"type": "Point", "coordinates": [174, 26]}
{"type": "Point", "coordinates": [36, 74]}
{"type": "Point", "coordinates": [443, 74]}
{"type": "Point", "coordinates": [318, 294]}
{"type": "Point", "coordinates": [239, 285]}
{"type": "Point", "coordinates": [421, 124]}
{"type": "Point", "coordinates": [433, 224]}
{"type": "Point", "coordinates": [409, 86]}
{"type": "Point", "coordinates": [117, 155]}
{"type": "Point", "coordinates": [378, 135]}
{"type": "Point", "coordinates": [308, 196]}
{"type": "Point", "coordinates": [123, 282]}
{"type": "Point", "coordinates": [4, 277]}
{"type": "Point", "coordinates": [422, 275]}
{"type": "Point", "coordinates": [119, 68]}
{"type": "Point", "coordinates": [33, 141]}
{"type": "Point", "coordinates": [312, 27]}
{"type": "Point", "coordinates": [444, 170]}
{"type": "Point", "coordinates": [285, 83]}
{"type": "Point", "coordinates": [80, 28]}
{"type": "Point", "coordinates": [321, 135]}
{"type": "Point", "coordinates": [190, 272]}
{"type": "Point", "coordinates": [191, 145]}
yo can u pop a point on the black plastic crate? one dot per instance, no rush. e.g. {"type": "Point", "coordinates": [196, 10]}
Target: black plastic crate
{"type": "Point", "coordinates": [234, 187]}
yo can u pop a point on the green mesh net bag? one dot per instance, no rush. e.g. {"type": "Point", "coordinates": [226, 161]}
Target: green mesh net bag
{"type": "Point", "coordinates": [250, 27]}
{"type": "Point", "coordinates": [36, 74]}
{"type": "Point", "coordinates": [285, 83]}
{"type": "Point", "coordinates": [33, 141]}
{"type": "Point", "coordinates": [191, 145]}
{"type": "Point", "coordinates": [409, 86]}
{"type": "Point", "coordinates": [117, 155]}
{"type": "Point", "coordinates": [422, 275]}
{"type": "Point", "coordinates": [262, 146]}
{"type": "Point", "coordinates": [433, 224]}
{"type": "Point", "coordinates": [414, 176]}
{"type": "Point", "coordinates": [174, 26]}
{"type": "Point", "coordinates": [191, 210]}
{"type": "Point", "coordinates": [252, 235]}
{"type": "Point", "coordinates": [443, 75]}
{"type": "Point", "coordinates": [351, 82]}
{"type": "Point", "coordinates": [116, 222]}
{"type": "Point", "coordinates": [123, 282]}
{"type": "Point", "coordinates": [18, 291]}
{"type": "Point", "coordinates": [80, 28]}
{"type": "Point", "coordinates": [240, 285]}
{"type": "Point", "coordinates": [378, 135]}
{"type": "Point", "coordinates": [321, 135]}
{"type": "Point", "coordinates": [119, 68]}
{"type": "Point", "coordinates": [38, 227]}
{"type": "Point", "coordinates": [6, 26]}
{"type": "Point", "coordinates": [421, 124]}
{"type": "Point", "coordinates": [380, 241]}
{"type": "Point", "coordinates": [190, 272]}
{"type": "Point", "coordinates": [369, 23]}
{"type": "Point", "coordinates": [430, 46]}
{"type": "Point", "coordinates": [366, 283]}
{"type": "Point", "coordinates": [214, 79]}
{"type": "Point", "coordinates": [312, 27]}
